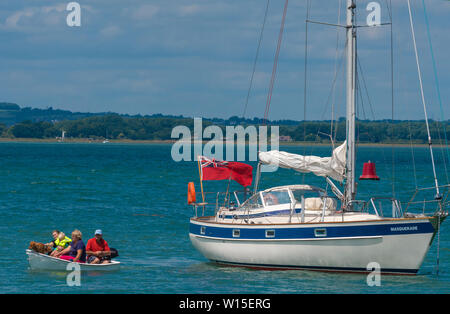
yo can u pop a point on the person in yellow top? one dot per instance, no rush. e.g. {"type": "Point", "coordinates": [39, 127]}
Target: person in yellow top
{"type": "Point", "coordinates": [61, 242]}
{"type": "Point", "coordinates": [55, 234]}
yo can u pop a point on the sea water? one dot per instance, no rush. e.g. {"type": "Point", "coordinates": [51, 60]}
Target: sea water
{"type": "Point", "coordinates": [136, 194]}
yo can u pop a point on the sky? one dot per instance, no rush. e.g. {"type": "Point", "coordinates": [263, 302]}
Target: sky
{"type": "Point", "coordinates": [195, 58]}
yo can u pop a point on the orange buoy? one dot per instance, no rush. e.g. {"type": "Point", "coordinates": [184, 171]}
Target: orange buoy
{"type": "Point", "coordinates": [191, 193]}
{"type": "Point", "coordinates": [369, 172]}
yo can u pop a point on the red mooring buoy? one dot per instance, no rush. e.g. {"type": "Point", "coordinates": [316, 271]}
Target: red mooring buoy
{"type": "Point", "coordinates": [369, 172]}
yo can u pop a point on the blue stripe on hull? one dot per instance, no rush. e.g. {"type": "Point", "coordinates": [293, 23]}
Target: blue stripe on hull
{"type": "Point", "coordinates": [249, 233]}
{"type": "Point", "coordinates": [320, 268]}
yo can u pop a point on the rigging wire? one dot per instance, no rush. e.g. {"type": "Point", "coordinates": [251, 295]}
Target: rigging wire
{"type": "Point", "coordinates": [361, 72]}
{"type": "Point", "coordinates": [331, 96]}
{"type": "Point", "coordinates": [436, 80]}
{"type": "Point", "coordinates": [361, 77]}
{"type": "Point", "coordinates": [412, 155]}
{"type": "Point", "coordinates": [359, 107]}
{"type": "Point", "coordinates": [438, 196]}
{"type": "Point", "coordinates": [333, 85]}
{"type": "Point", "coordinates": [392, 93]}
{"type": "Point", "coordinates": [360, 99]}
{"type": "Point", "coordinates": [275, 63]}
{"type": "Point", "coordinates": [335, 69]}
{"type": "Point", "coordinates": [308, 8]}
{"type": "Point", "coordinates": [438, 131]}
{"type": "Point", "coordinates": [256, 58]}
{"type": "Point", "coordinates": [389, 6]}
{"type": "Point", "coordinates": [438, 243]}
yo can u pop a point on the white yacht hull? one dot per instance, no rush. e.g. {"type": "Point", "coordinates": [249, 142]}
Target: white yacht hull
{"type": "Point", "coordinates": [398, 245]}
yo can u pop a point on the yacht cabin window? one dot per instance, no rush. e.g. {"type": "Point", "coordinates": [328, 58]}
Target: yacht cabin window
{"type": "Point", "coordinates": [253, 202]}
{"type": "Point", "coordinates": [276, 197]}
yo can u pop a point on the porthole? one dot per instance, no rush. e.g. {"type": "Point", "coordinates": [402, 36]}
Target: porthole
{"type": "Point", "coordinates": [320, 232]}
{"type": "Point", "coordinates": [270, 233]}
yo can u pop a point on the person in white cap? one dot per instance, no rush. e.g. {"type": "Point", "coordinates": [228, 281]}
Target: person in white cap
{"type": "Point", "coordinates": [97, 249]}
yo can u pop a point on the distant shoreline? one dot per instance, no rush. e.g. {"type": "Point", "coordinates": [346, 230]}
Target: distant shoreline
{"type": "Point", "coordinates": [82, 140]}
{"type": "Point", "coordinates": [128, 141]}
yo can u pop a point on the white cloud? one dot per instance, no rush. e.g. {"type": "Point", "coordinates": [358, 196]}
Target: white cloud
{"type": "Point", "coordinates": [13, 20]}
{"type": "Point", "coordinates": [189, 9]}
{"type": "Point", "coordinates": [144, 12]}
{"type": "Point", "coordinates": [35, 19]}
{"type": "Point", "coordinates": [58, 8]}
{"type": "Point", "coordinates": [111, 31]}
{"type": "Point", "coordinates": [203, 52]}
{"type": "Point", "coordinates": [31, 16]}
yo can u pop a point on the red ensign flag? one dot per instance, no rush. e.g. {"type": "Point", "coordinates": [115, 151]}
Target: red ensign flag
{"type": "Point", "coordinates": [224, 170]}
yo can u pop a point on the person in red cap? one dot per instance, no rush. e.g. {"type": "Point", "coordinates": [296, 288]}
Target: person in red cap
{"type": "Point", "coordinates": [97, 249]}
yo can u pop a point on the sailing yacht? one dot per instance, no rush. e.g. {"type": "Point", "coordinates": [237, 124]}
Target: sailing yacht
{"type": "Point", "coordinates": [300, 226]}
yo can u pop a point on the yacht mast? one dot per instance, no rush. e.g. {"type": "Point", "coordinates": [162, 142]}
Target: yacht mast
{"type": "Point", "coordinates": [350, 185]}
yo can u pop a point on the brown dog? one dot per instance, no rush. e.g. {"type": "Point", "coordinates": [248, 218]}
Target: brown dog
{"type": "Point", "coordinates": [40, 247]}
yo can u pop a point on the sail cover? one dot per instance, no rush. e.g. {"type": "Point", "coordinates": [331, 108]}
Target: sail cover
{"type": "Point", "coordinates": [333, 167]}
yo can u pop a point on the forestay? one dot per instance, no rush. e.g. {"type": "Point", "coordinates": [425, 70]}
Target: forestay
{"type": "Point", "coordinates": [333, 167]}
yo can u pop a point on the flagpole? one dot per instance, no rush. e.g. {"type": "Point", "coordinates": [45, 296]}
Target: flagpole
{"type": "Point", "coordinates": [201, 181]}
{"type": "Point", "coordinates": [226, 195]}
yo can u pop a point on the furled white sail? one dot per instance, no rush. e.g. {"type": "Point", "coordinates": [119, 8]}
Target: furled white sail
{"type": "Point", "coordinates": [333, 167]}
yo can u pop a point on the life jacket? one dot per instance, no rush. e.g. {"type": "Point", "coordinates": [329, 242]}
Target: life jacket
{"type": "Point", "coordinates": [63, 243]}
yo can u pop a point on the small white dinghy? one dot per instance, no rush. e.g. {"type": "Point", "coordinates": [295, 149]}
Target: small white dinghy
{"type": "Point", "coordinates": [40, 261]}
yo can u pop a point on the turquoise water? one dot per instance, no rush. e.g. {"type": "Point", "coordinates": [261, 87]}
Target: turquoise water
{"type": "Point", "coordinates": [137, 195]}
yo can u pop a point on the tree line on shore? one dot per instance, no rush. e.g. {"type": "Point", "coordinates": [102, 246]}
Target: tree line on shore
{"type": "Point", "coordinates": [159, 127]}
